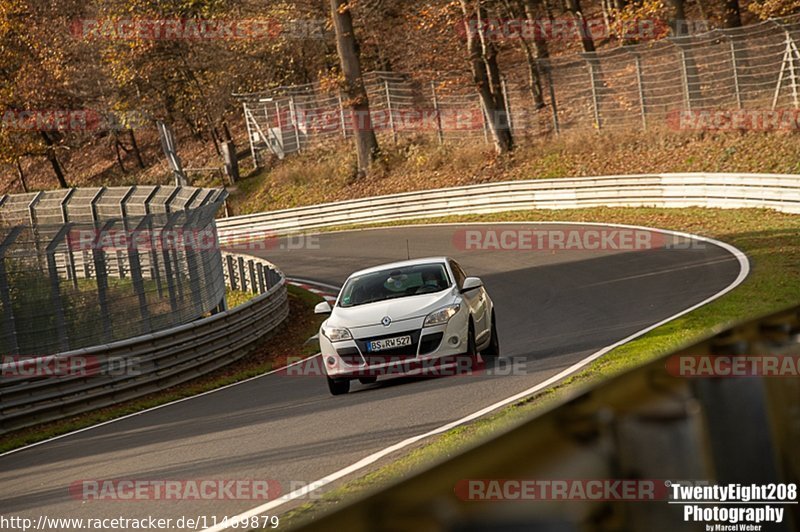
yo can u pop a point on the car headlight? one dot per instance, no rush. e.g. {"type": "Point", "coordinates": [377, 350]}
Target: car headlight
{"type": "Point", "coordinates": [441, 316]}
{"type": "Point", "coordinates": [337, 334]}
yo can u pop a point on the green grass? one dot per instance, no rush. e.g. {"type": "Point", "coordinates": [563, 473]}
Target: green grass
{"type": "Point", "coordinates": [770, 239]}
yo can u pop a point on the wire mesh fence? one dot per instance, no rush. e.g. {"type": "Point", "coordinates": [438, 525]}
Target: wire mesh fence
{"type": "Point", "coordinates": [737, 78]}
{"type": "Point", "coordinates": [83, 267]}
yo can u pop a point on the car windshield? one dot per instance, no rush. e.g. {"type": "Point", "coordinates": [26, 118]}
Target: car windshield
{"type": "Point", "coordinates": [393, 283]}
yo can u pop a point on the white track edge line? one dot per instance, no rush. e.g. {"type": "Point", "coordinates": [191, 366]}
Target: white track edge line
{"type": "Point", "coordinates": [744, 270]}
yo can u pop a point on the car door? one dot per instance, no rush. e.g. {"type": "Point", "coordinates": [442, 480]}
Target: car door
{"type": "Point", "coordinates": [476, 301]}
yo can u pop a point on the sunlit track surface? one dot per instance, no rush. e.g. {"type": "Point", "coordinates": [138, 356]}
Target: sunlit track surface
{"type": "Point", "coordinates": [554, 308]}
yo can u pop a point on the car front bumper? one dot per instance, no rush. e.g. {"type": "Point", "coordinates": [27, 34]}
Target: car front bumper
{"type": "Point", "coordinates": [431, 346]}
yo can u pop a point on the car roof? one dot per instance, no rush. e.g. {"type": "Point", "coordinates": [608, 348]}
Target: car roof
{"type": "Point", "coordinates": [401, 264]}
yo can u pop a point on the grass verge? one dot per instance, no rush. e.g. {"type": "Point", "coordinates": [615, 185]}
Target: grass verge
{"type": "Point", "coordinates": [416, 163]}
{"type": "Point", "coordinates": [770, 239]}
{"type": "Point", "coordinates": [288, 341]}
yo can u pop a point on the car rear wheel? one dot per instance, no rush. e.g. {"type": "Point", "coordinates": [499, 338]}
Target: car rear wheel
{"type": "Point", "coordinates": [368, 380]}
{"type": "Point", "coordinates": [338, 387]}
{"type": "Point", "coordinates": [493, 351]}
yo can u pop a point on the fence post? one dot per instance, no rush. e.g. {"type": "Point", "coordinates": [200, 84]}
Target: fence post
{"type": "Point", "coordinates": [735, 74]}
{"type": "Point", "coordinates": [341, 115]}
{"type": "Point", "coordinates": [485, 125]}
{"type": "Point", "coordinates": [506, 101]}
{"type": "Point", "coordinates": [595, 106]}
{"type": "Point", "coordinates": [136, 275]}
{"type": "Point", "coordinates": [55, 301]}
{"type": "Point", "coordinates": [687, 103]}
{"type": "Point", "coordinates": [101, 275]}
{"type": "Point", "coordinates": [791, 50]}
{"type": "Point", "coordinates": [439, 134]}
{"type": "Point", "coordinates": [389, 107]}
{"type": "Point", "coordinates": [247, 117]}
{"type": "Point", "coordinates": [280, 125]}
{"type": "Point", "coordinates": [640, 84]}
{"type": "Point", "coordinates": [293, 116]}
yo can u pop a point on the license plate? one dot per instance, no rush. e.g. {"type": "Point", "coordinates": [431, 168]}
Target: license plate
{"type": "Point", "coordinates": [388, 343]}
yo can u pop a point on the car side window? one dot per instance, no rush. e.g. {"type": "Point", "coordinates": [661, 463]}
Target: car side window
{"type": "Point", "coordinates": [458, 273]}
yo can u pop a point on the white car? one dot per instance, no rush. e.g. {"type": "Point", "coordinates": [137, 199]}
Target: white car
{"type": "Point", "coordinates": [398, 316]}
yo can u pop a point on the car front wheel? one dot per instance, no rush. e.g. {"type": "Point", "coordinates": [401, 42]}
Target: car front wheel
{"type": "Point", "coordinates": [338, 387]}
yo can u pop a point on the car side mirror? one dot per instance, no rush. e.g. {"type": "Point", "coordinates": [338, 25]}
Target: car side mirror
{"type": "Point", "coordinates": [322, 308]}
{"type": "Point", "coordinates": [471, 283]}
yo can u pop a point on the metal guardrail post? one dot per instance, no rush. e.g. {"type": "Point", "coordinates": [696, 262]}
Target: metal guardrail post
{"type": "Point", "coordinates": [260, 268]}
{"type": "Point", "coordinates": [231, 272]}
{"type": "Point", "coordinates": [252, 270]}
{"type": "Point", "coordinates": [242, 277]}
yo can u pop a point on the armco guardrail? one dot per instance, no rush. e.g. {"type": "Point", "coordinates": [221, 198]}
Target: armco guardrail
{"type": "Point", "coordinates": [101, 376]}
{"type": "Point", "coordinates": [774, 191]}
{"type": "Point", "coordinates": [661, 422]}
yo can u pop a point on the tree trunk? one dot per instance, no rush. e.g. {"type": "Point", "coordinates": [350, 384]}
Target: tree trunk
{"type": "Point", "coordinates": [540, 52]}
{"type": "Point", "coordinates": [117, 145]}
{"type": "Point", "coordinates": [21, 176]}
{"type": "Point", "coordinates": [53, 158]}
{"type": "Point", "coordinates": [678, 20]}
{"type": "Point", "coordinates": [136, 151]}
{"type": "Point", "coordinates": [486, 75]}
{"type": "Point", "coordinates": [574, 7]}
{"type": "Point", "coordinates": [347, 48]}
{"type": "Point", "coordinates": [733, 17]}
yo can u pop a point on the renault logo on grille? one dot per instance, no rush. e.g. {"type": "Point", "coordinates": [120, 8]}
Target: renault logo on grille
{"type": "Point", "coordinates": [386, 321]}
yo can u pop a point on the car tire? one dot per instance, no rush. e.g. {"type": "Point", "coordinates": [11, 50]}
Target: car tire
{"type": "Point", "coordinates": [338, 387]}
{"type": "Point", "coordinates": [493, 351]}
{"type": "Point", "coordinates": [368, 380]}
{"type": "Point", "coordinates": [472, 351]}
